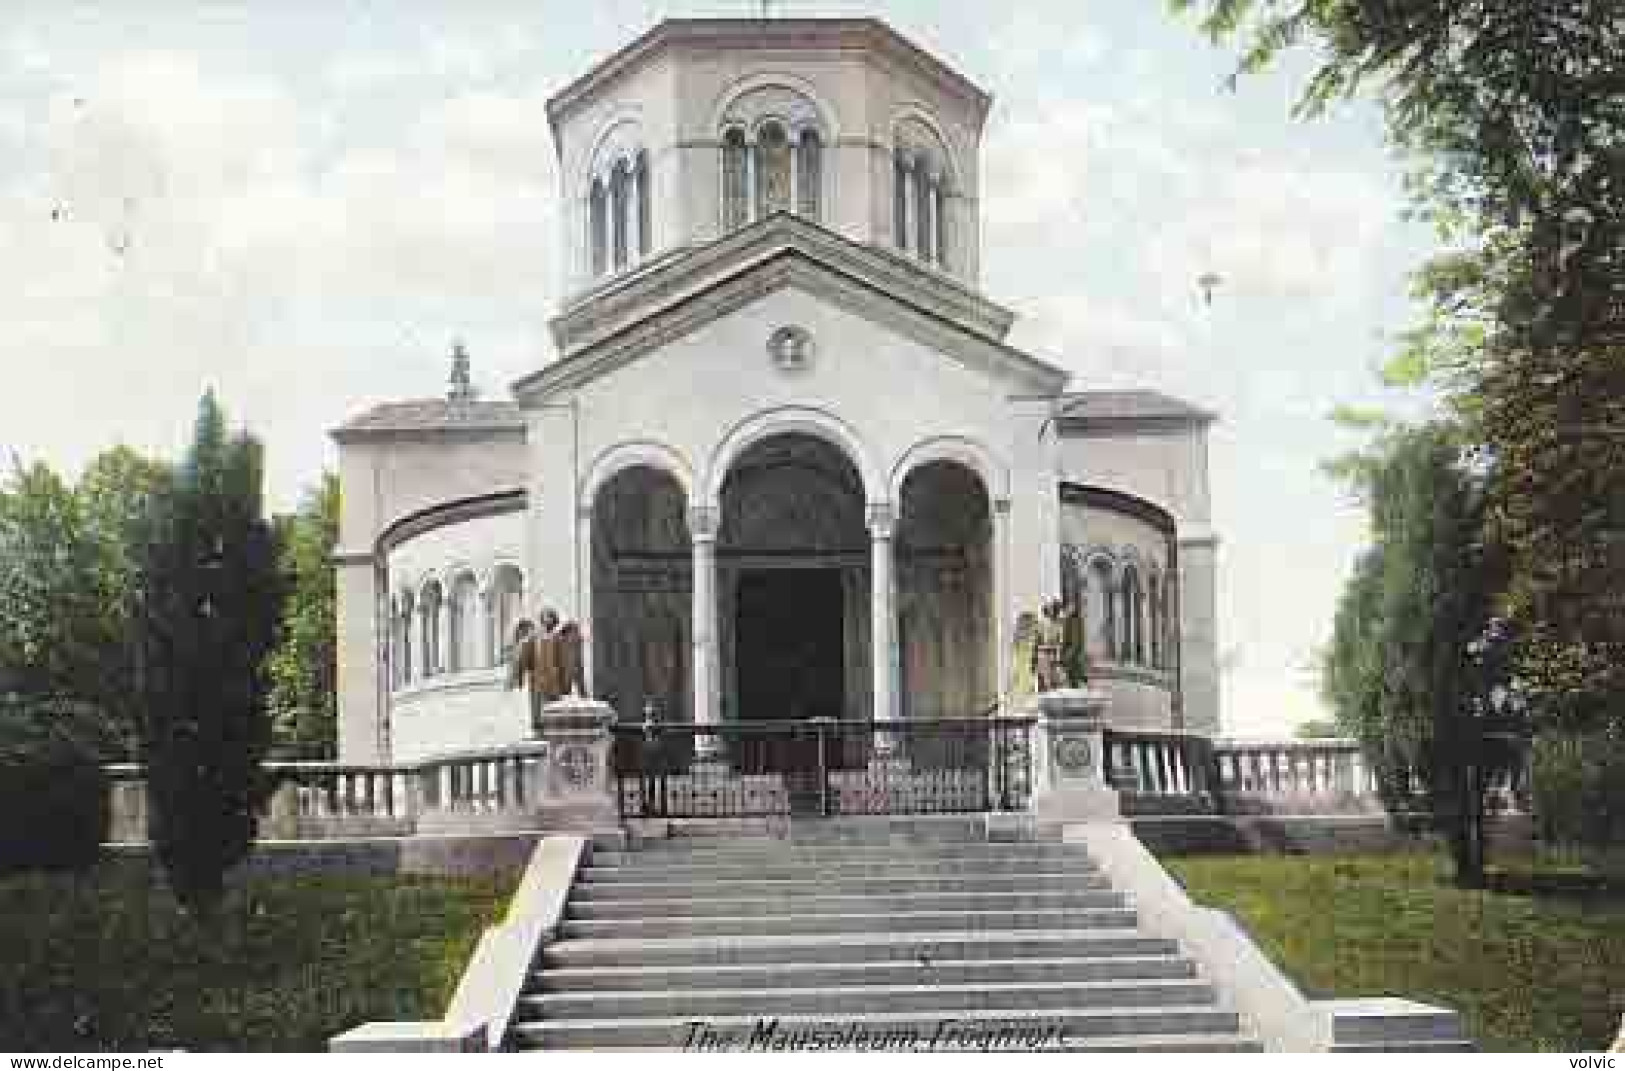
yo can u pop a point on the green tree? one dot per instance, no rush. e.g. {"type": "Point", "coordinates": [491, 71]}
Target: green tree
{"type": "Point", "coordinates": [1416, 666]}
{"type": "Point", "coordinates": [1317, 729]}
{"type": "Point", "coordinates": [118, 493]}
{"type": "Point", "coordinates": [303, 668]}
{"type": "Point", "coordinates": [1511, 116]}
{"type": "Point", "coordinates": [52, 626]}
{"type": "Point", "coordinates": [207, 621]}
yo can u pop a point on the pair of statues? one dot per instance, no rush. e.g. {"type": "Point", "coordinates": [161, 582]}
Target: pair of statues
{"type": "Point", "coordinates": [548, 659]}
{"type": "Point", "coordinates": [1049, 650]}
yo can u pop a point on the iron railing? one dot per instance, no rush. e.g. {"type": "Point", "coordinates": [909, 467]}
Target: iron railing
{"type": "Point", "coordinates": [822, 766]}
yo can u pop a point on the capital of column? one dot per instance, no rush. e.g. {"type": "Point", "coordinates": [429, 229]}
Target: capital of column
{"type": "Point", "coordinates": [1001, 507]}
{"type": "Point", "coordinates": [882, 520]}
{"type": "Point", "coordinates": [702, 524]}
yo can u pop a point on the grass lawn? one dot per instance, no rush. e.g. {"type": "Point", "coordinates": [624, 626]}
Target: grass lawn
{"type": "Point", "coordinates": [106, 961]}
{"type": "Point", "coordinates": [1528, 972]}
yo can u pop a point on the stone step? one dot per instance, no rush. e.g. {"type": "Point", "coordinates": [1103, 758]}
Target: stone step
{"type": "Point", "coordinates": [593, 891]}
{"type": "Point", "coordinates": [833, 869]}
{"type": "Point", "coordinates": [824, 1000]}
{"type": "Point", "coordinates": [969, 922]}
{"type": "Point", "coordinates": [919, 970]}
{"type": "Point", "coordinates": [838, 829]}
{"type": "Point", "coordinates": [809, 902]}
{"type": "Point", "coordinates": [1128, 1029]}
{"type": "Point", "coordinates": [777, 851]}
{"type": "Point", "coordinates": [850, 948]}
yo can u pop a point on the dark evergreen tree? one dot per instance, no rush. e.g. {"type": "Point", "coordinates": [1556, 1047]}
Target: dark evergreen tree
{"type": "Point", "coordinates": [207, 622]}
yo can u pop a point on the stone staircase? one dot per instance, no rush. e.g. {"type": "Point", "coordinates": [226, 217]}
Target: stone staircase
{"type": "Point", "coordinates": [943, 941]}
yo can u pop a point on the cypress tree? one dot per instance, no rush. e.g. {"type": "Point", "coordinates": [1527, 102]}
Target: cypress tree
{"type": "Point", "coordinates": [207, 621]}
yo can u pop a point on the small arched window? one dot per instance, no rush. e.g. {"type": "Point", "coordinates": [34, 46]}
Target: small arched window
{"type": "Point", "coordinates": [597, 227]}
{"type": "Point", "coordinates": [620, 204]}
{"type": "Point", "coordinates": [1101, 606]}
{"type": "Point", "coordinates": [772, 170]}
{"type": "Point", "coordinates": [925, 226]}
{"type": "Point", "coordinates": [809, 174]}
{"type": "Point", "coordinates": [735, 180]}
{"type": "Point", "coordinates": [920, 194]}
{"type": "Point", "coordinates": [506, 604]}
{"type": "Point", "coordinates": [1154, 614]}
{"type": "Point", "coordinates": [403, 639]}
{"type": "Point", "coordinates": [464, 619]}
{"type": "Point", "coordinates": [900, 183]}
{"type": "Point", "coordinates": [1130, 632]}
{"type": "Point", "coordinates": [432, 617]}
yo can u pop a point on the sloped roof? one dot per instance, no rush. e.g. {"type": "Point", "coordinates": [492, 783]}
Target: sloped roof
{"type": "Point", "coordinates": [431, 414]}
{"type": "Point", "coordinates": [1111, 406]}
{"type": "Point", "coordinates": [778, 33]}
{"type": "Point", "coordinates": [633, 315]}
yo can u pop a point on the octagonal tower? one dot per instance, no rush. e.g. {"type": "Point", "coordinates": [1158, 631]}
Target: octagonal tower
{"type": "Point", "coordinates": [702, 126]}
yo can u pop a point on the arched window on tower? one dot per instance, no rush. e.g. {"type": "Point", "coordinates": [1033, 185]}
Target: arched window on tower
{"type": "Point", "coordinates": [640, 185]}
{"type": "Point", "coordinates": [620, 183]}
{"type": "Point", "coordinates": [735, 178]}
{"type": "Point", "coordinates": [597, 227]}
{"type": "Point", "coordinates": [925, 229]}
{"type": "Point", "coordinates": [920, 194]}
{"type": "Point", "coordinates": [900, 183]}
{"type": "Point", "coordinates": [809, 174]}
{"type": "Point", "coordinates": [772, 170]}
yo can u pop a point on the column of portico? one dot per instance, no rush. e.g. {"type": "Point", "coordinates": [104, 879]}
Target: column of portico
{"type": "Point", "coordinates": [1002, 615]}
{"type": "Point", "coordinates": [702, 527]}
{"type": "Point", "coordinates": [883, 621]}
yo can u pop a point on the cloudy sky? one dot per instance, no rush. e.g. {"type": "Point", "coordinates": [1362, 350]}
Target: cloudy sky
{"type": "Point", "coordinates": [303, 202]}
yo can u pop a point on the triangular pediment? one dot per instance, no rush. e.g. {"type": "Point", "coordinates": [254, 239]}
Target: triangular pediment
{"type": "Point", "coordinates": [681, 293]}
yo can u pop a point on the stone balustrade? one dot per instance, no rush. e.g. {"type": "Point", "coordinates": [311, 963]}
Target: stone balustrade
{"type": "Point", "coordinates": [476, 791]}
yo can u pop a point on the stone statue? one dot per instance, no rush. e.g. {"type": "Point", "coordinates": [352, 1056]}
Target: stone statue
{"type": "Point", "coordinates": [549, 660]}
{"type": "Point", "coordinates": [1049, 665]}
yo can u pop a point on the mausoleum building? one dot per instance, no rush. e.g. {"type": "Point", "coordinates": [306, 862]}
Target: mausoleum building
{"type": "Point", "coordinates": [782, 462]}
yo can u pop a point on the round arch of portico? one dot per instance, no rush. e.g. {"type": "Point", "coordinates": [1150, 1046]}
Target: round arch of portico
{"type": "Point", "coordinates": [791, 420]}
{"type": "Point", "coordinates": [961, 450]}
{"type": "Point", "coordinates": [631, 455]}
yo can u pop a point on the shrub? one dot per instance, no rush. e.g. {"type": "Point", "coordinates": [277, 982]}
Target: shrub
{"type": "Point", "coordinates": [1579, 789]}
{"type": "Point", "coordinates": [53, 792]}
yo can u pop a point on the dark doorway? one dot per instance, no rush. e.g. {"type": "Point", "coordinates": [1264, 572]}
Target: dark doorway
{"type": "Point", "coordinates": [790, 659]}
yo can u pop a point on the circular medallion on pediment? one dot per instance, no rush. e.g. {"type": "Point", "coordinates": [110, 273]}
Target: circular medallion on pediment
{"type": "Point", "coordinates": [791, 348]}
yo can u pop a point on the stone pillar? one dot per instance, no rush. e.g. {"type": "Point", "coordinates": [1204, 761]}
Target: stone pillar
{"type": "Point", "coordinates": [581, 612]}
{"type": "Point", "coordinates": [1198, 631]}
{"type": "Point", "coordinates": [578, 785]}
{"type": "Point", "coordinates": [702, 527]}
{"type": "Point", "coordinates": [362, 693]}
{"type": "Point", "coordinates": [1069, 759]}
{"type": "Point", "coordinates": [883, 621]}
{"type": "Point", "coordinates": [1002, 615]}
